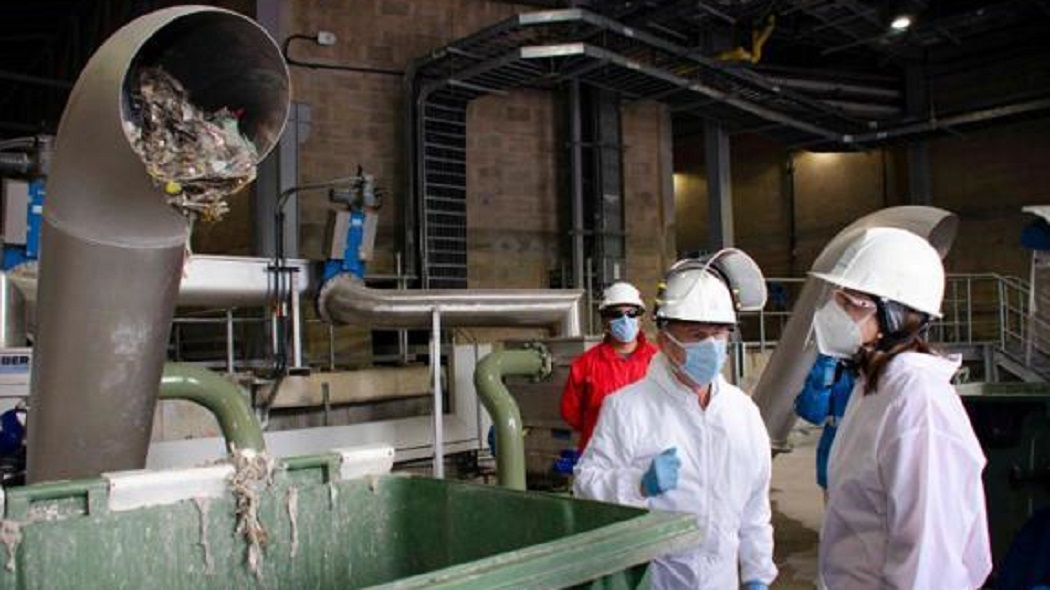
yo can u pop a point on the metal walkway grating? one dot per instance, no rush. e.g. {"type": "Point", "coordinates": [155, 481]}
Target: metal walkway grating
{"type": "Point", "coordinates": [444, 191]}
{"type": "Point", "coordinates": [547, 49]}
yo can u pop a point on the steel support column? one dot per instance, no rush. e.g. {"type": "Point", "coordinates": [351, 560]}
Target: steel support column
{"type": "Point", "coordinates": [576, 160]}
{"type": "Point", "coordinates": [920, 191]}
{"type": "Point", "coordinates": [719, 185]}
{"type": "Point", "coordinates": [280, 170]}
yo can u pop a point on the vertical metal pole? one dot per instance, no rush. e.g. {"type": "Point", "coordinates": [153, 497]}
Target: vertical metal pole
{"type": "Point", "coordinates": [229, 341]}
{"type": "Point", "coordinates": [177, 328]}
{"type": "Point", "coordinates": [916, 99]}
{"type": "Point", "coordinates": [297, 340]}
{"type": "Point", "coordinates": [1021, 324]}
{"type": "Point", "coordinates": [331, 347]}
{"type": "Point", "coordinates": [761, 329]}
{"type": "Point", "coordinates": [719, 185]}
{"type": "Point", "coordinates": [326, 399]}
{"type": "Point", "coordinates": [275, 317]}
{"type": "Point", "coordinates": [576, 164]}
{"type": "Point", "coordinates": [439, 410]}
{"type": "Point", "coordinates": [956, 332]}
{"type": "Point", "coordinates": [402, 335]}
{"type": "Point", "coordinates": [1001, 305]}
{"type": "Point", "coordinates": [969, 310]}
{"type": "Point", "coordinates": [589, 298]}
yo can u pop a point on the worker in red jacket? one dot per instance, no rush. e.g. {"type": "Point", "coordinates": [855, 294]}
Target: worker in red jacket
{"type": "Point", "coordinates": [621, 359]}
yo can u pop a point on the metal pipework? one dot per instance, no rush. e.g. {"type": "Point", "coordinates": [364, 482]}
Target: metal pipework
{"type": "Point", "coordinates": [224, 399]}
{"type": "Point", "coordinates": [794, 355]}
{"type": "Point", "coordinates": [12, 314]}
{"type": "Point", "coordinates": [488, 380]}
{"type": "Point", "coordinates": [112, 247]}
{"type": "Point", "coordinates": [346, 300]}
{"type": "Point", "coordinates": [215, 281]}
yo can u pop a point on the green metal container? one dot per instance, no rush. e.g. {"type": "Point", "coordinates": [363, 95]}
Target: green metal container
{"type": "Point", "coordinates": [1012, 421]}
{"type": "Point", "coordinates": [325, 532]}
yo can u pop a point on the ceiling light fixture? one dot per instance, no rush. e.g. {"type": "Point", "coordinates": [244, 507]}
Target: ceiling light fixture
{"type": "Point", "coordinates": [901, 22]}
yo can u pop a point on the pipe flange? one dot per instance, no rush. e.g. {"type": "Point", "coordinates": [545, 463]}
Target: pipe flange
{"type": "Point", "coordinates": [546, 359]}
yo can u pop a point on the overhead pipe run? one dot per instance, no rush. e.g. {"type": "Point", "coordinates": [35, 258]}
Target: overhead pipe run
{"type": "Point", "coordinates": [790, 362]}
{"type": "Point", "coordinates": [346, 300]}
{"type": "Point", "coordinates": [506, 417]}
{"type": "Point", "coordinates": [112, 246]}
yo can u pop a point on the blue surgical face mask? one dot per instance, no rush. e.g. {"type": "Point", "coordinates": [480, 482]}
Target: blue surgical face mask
{"type": "Point", "coordinates": [703, 360]}
{"type": "Point", "coordinates": [624, 328]}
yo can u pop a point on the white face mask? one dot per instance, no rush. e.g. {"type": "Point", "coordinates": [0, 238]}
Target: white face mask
{"type": "Point", "coordinates": [837, 334]}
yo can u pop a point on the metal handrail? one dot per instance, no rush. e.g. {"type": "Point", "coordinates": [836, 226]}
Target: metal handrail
{"type": "Point", "coordinates": [986, 309]}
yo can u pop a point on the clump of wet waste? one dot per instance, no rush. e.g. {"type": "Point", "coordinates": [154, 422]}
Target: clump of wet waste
{"type": "Point", "coordinates": [252, 472]}
{"type": "Point", "coordinates": [197, 157]}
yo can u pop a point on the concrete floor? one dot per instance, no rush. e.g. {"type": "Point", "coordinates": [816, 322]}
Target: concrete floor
{"type": "Point", "coordinates": [798, 505]}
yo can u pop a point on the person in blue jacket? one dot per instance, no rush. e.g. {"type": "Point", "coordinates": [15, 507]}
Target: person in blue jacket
{"type": "Point", "coordinates": [823, 400]}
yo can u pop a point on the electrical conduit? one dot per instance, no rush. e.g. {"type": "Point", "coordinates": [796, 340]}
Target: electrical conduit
{"type": "Point", "coordinates": [488, 380]}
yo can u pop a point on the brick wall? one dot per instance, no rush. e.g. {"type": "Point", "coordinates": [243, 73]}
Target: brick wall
{"type": "Point", "coordinates": [986, 177]}
{"type": "Point", "coordinates": [647, 168]}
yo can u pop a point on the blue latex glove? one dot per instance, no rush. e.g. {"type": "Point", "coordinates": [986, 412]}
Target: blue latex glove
{"type": "Point", "coordinates": [492, 439]}
{"type": "Point", "coordinates": [662, 474]}
{"type": "Point", "coordinates": [754, 586]}
{"type": "Point", "coordinates": [813, 403]}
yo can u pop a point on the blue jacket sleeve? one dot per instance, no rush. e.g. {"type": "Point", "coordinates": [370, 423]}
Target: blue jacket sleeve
{"type": "Point", "coordinates": [813, 402]}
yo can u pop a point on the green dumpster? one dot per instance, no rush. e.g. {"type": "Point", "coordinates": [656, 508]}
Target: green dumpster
{"type": "Point", "coordinates": [318, 530]}
{"type": "Point", "coordinates": [1012, 421]}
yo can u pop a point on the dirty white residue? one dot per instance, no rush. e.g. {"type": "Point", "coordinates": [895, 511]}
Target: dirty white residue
{"type": "Point", "coordinates": [128, 337]}
{"type": "Point", "coordinates": [333, 494]}
{"type": "Point", "coordinates": [202, 512]}
{"type": "Point", "coordinates": [43, 512]}
{"type": "Point", "coordinates": [252, 471]}
{"type": "Point", "coordinates": [10, 536]}
{"type": "Point", "coordinates": [292, 504]}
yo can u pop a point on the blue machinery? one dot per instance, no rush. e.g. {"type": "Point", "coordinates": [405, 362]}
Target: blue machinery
{"type": "Point", "coordinates": [23, 205]}
{"type": "Point", "coordinates": [352, 231]}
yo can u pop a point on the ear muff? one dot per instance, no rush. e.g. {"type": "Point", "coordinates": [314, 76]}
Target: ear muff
{"type": "Point", "coordinates": [892, 318]}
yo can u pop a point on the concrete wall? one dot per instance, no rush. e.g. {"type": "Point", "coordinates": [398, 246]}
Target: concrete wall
{"type": "Point", "coordinates": [786, 205]}
{"type": "Point", "coordinates": [985, 177]}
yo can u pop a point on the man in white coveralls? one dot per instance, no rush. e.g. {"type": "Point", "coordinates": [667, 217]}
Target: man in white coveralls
{"type": "Point", "coordinates": [684, 439]}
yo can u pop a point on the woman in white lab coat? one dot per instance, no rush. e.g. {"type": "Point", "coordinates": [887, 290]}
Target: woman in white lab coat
{"type": "Point", "coordinates": [906, 505]}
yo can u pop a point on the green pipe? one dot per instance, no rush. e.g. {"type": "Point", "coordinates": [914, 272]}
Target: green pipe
{"type": "Point", "coordinates": [224, 399]}
{"type": "Point", "coordinates": [510, 437]}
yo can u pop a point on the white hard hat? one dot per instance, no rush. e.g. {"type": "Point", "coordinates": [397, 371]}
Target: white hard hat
{"type": "Point", "coordinates": [894, 264]}
{"type": "Point", "coordinates": [712, 289]}
{"type": "Point", "coordinates": [621, 293]}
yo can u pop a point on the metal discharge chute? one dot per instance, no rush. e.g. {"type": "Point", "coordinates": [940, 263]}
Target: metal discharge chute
{"type": "Point", "coordinates": [113, 240]}
{"type": "Point", "coordinates": [790, 363]}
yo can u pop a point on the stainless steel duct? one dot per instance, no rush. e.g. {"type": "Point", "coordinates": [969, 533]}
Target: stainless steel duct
{"type": "Point", "coordinates": [346, 300]}
{"type": "Point", "coordinates": [12, 314]}
{"type": "Point", "coordinates": [112, 249]}
{"type": "Point", "coordinates": [215, 281]}
{"type": "Point", "coordinates": [794, 355]}
{"type": "Point", "coordinates": [15, 163]}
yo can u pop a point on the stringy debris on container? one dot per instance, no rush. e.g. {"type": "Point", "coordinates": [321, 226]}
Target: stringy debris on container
{"type": "Point", "coordinates": [198, 158]}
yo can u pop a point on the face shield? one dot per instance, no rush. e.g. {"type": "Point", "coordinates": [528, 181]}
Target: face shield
{"type": "Point", "coordinates": [711, 289]}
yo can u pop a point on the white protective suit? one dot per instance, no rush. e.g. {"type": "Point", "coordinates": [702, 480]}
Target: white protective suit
{"type": "Point", "coordinates": [723, 480]}
{"type": "Point", "coordinates": [906, 504]}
